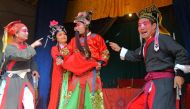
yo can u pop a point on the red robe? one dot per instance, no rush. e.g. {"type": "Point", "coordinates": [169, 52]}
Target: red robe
{"type": "Point", "coordinates": [57, 75]}
{"type": "Point", "coordinates": [84, 73]}
{"type": "Point", "coordinates": [99, 52]}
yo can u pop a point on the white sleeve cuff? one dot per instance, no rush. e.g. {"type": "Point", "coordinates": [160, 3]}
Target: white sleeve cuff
{"type": "Point", "coordinates": [184, 68]}
{"type": "Point", "coordinates": [122, 53]}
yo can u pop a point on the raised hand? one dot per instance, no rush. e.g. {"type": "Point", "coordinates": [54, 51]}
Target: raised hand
{"type": "Point", "coordinates": [35, 74]}
{"type": "Point", "coordinates": [59, 61]}
{"type": "Point", "coordinates": [115, 46]}
{"type": "Point", "coordinates": [37, 43]}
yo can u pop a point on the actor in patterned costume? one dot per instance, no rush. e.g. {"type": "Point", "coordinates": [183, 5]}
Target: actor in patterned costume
{"type": "Point", "coordinates": [165, 62]}
{"type": "Point", "coordinates": [16, 92]}
{"type": "Point", "coordinates": [58, 52]}
{"type": "Point", "coordinates": [88, 54]}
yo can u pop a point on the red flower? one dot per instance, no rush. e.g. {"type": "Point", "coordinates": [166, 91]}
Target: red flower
{"type": "Point", "coordinates": [53, 23]}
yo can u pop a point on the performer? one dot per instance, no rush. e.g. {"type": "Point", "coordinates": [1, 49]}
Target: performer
{"type": "Point", "coordinates": [58, 52]}
{"type": "Point", "coordinates": [16, 92]}
{"type": "Point", "coordinates": [88, 54]}
{"type": "Point", "coordinates": [164, 59]}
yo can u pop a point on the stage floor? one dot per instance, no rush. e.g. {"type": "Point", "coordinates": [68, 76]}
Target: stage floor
{"type": "Point", "coordinates": [118, 98]}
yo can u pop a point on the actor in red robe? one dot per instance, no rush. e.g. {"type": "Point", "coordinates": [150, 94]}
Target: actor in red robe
{"type": "Point", "coordinates": [88, 53]}
{"type": "Point", "coordinates": [58, 52]}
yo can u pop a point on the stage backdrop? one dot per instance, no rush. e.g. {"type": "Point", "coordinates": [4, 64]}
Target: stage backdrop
{"type": "Point", "coordinates": [182, 13]}
{"type": "Point", "coordinates": [123, 30]}
{"type": "Point", "coordinates": [47, 11]}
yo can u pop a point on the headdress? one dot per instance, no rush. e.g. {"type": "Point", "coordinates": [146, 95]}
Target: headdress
{"type": "Point", "coordinates": [54, 29]}
{"type": "Point", "coordinates": [153, 14]}
{"type": "Point", "coordinates": [150, 12]}
{"type": "Point", "coordinates": [9, 31]}
{"type": "Point", "coordinates": [84, 17]}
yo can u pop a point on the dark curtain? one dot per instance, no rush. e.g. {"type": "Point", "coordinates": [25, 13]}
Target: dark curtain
{"type": "Point", "coordinates": [1, 44]}
{"type": "Point", "coordinates": [47, 10]}
{"type": "Point", "coordinates": [123, 32]}
{"type": "Point", "coordinates": [182, 14]}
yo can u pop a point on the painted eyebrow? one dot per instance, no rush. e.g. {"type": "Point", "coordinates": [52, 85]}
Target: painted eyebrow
{"type": "Point", "coordinates": [143, 22]}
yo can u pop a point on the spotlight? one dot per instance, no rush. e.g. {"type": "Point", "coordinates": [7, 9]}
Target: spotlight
{"type": "Point", "coordinates": [130, 14]}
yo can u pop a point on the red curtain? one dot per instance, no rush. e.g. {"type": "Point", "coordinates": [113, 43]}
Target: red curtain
{"type": "Point", "coordinates": [118, 98]}
{"type": "Point", "coordinates": [187, 97]}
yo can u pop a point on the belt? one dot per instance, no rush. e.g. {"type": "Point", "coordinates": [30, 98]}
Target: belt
{"type": "Point", "coordinates": [20, 73]}
{"type": "Point", "coordinates": [158, 75]}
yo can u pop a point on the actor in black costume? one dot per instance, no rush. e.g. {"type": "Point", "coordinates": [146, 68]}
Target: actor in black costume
{"type": "Point", "coordinates": [166, 62]}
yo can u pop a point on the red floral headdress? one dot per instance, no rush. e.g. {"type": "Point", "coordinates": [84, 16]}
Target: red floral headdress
{"type": "Point", "coordinates": [9, 31]}
{"type": "Point", "coordinates": [54, 28]}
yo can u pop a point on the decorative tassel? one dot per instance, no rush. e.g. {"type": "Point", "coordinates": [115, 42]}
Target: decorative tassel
{"type": "Point", "coordinates": [4, 40]}
{"type": "Point", "coordinates": [156, 42]}
{"type": "Point", "coordinates": [142, 43]}
{"type": "Point", "coordinates": [48, 37]}
{"type": "Point", "coordinates": [46, 42]}
{"type": "Point", "coordinates": [174, 36]}
{"type": "Point", "coordinates": [141, 40]}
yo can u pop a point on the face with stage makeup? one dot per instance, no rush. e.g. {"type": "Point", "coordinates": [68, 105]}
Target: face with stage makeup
{"type": "Point", "coordinates": [61, 37]}
{"type": "Point", "coordinates": [146, 28]}
{"type": "Point", "coordinates": [22, 34]}
{"type": "Point", "coordinates": [80, 27]}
